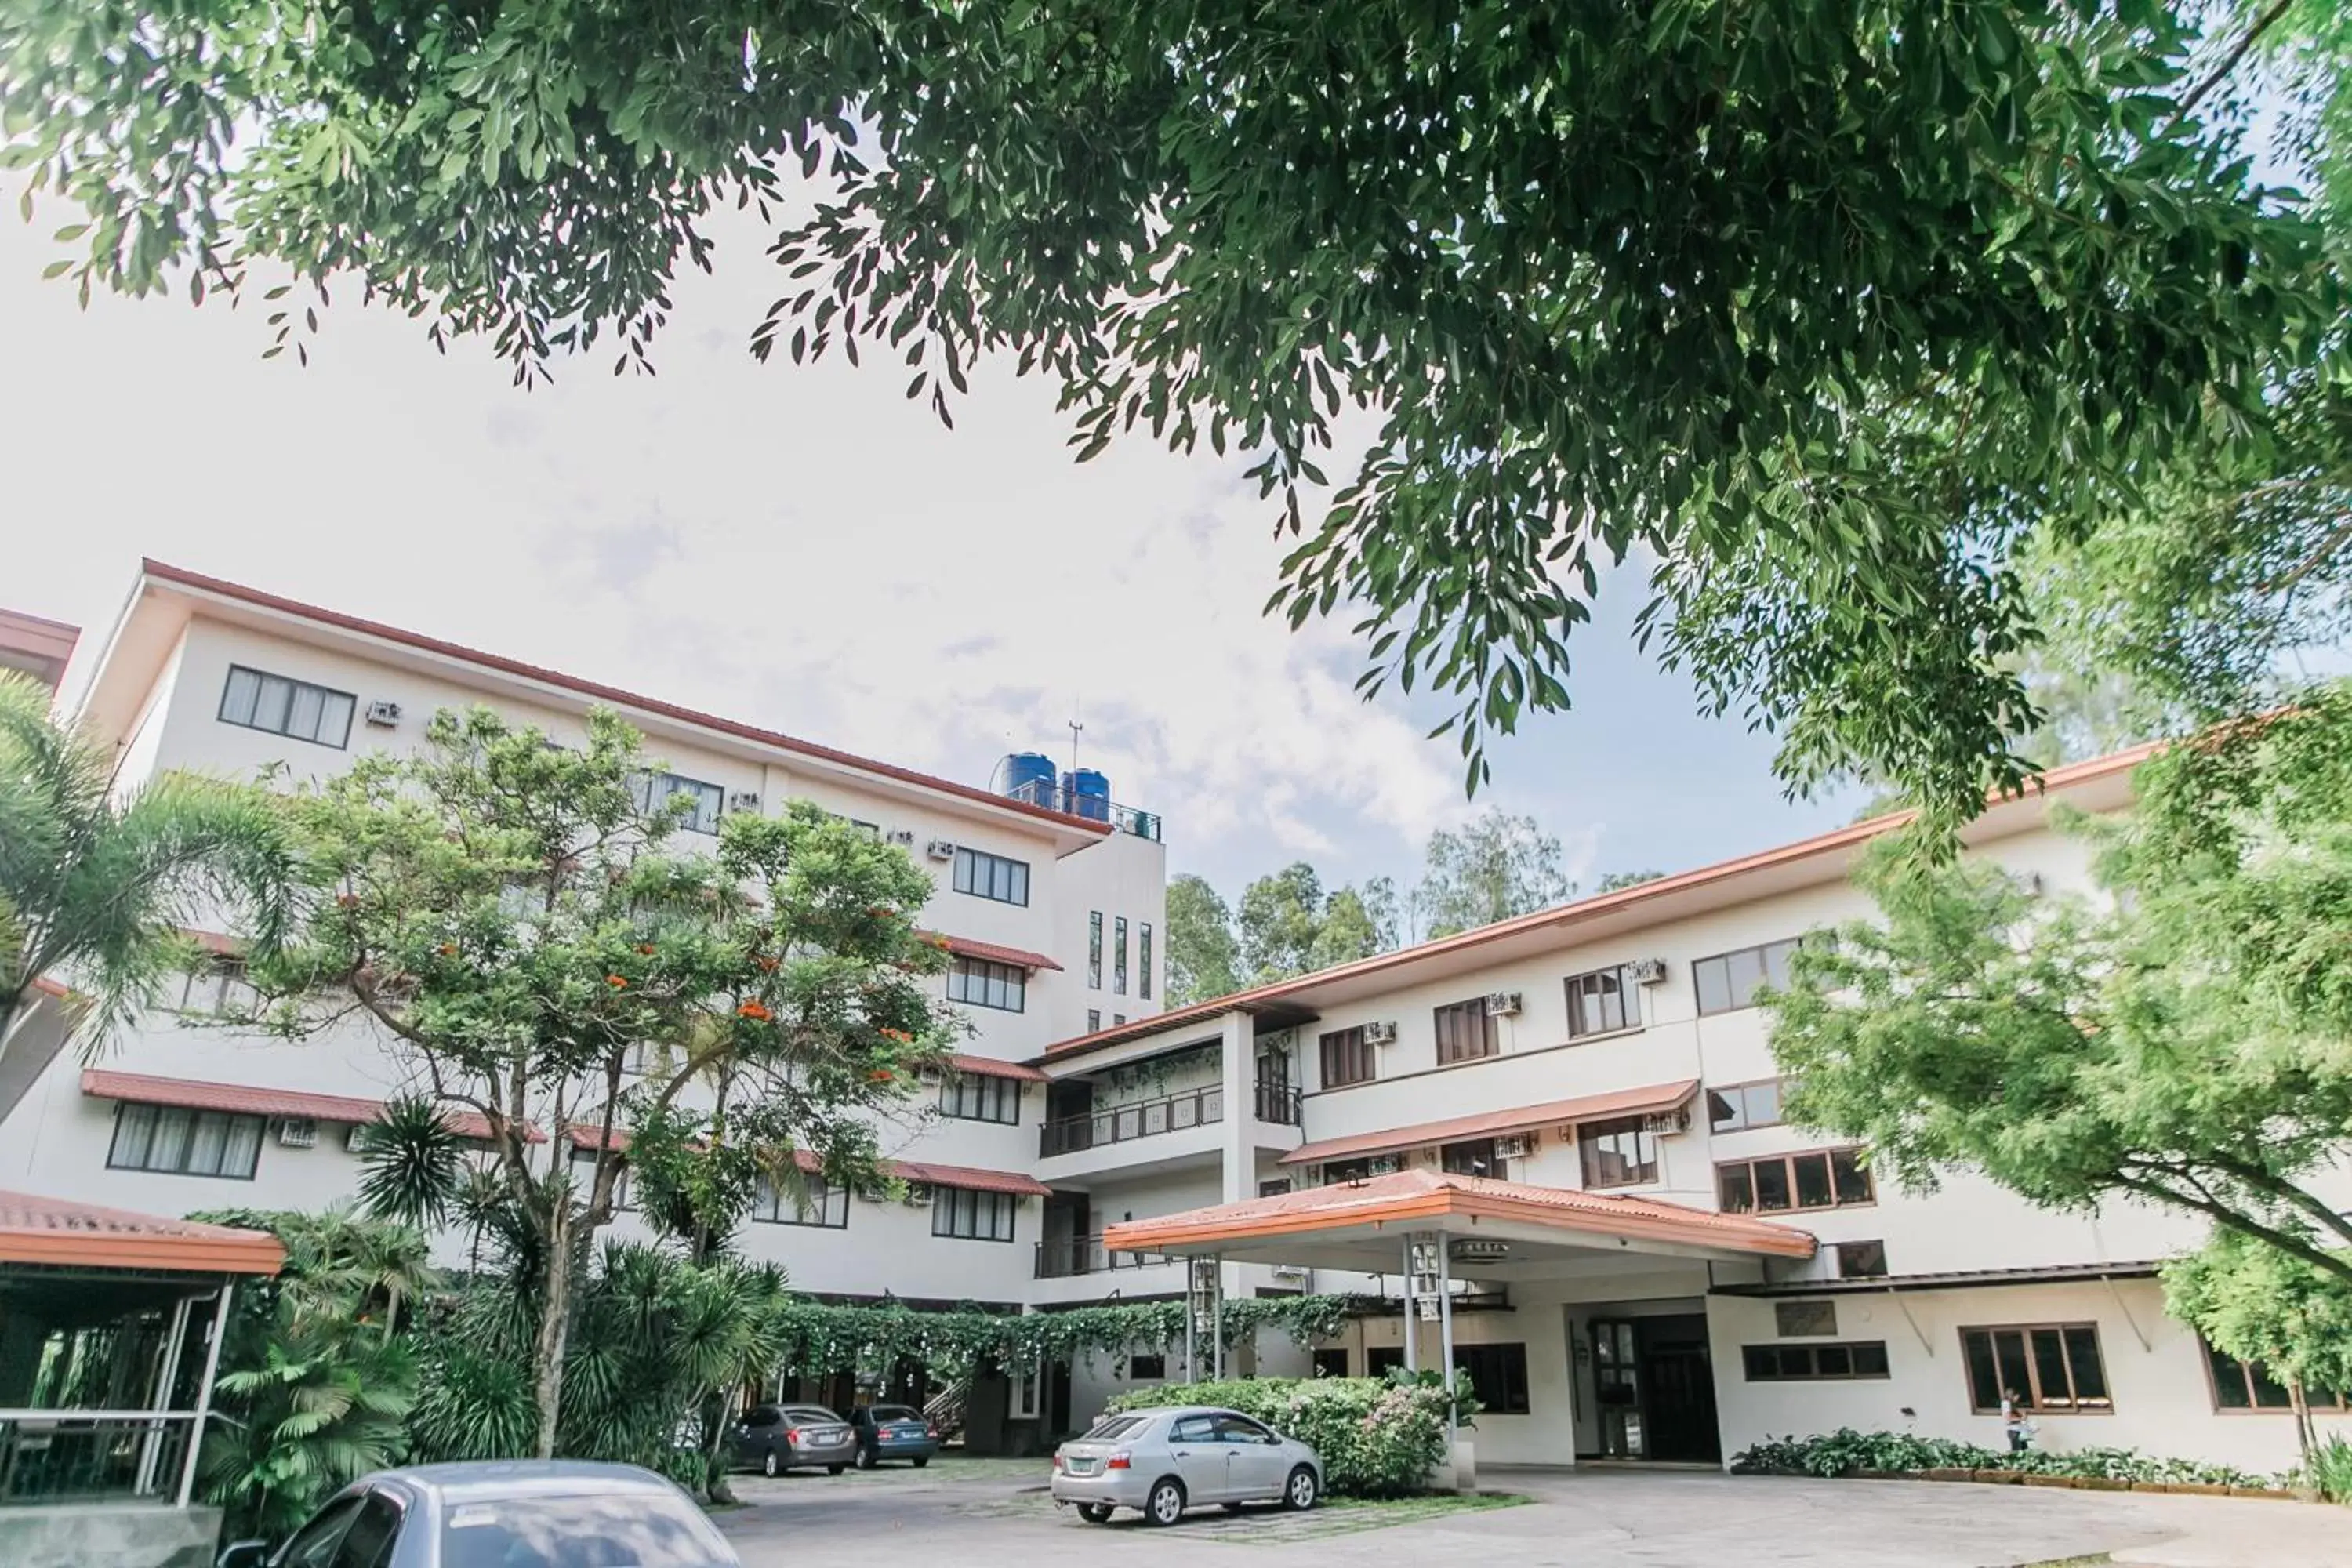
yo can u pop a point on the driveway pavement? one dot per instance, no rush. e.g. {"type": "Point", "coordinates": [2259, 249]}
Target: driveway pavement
{"type": "Point", "coordinates": [983, 1514]}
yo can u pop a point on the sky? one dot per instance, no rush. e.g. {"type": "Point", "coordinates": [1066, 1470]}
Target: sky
{"type": "Point", "coordinates": [802, 548]}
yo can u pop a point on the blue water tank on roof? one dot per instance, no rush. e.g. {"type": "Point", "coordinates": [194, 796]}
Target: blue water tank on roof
{"type": "Point", "coordinates": [1087, 793]}
{"type": "Point", "coordinates": [1027, 775]}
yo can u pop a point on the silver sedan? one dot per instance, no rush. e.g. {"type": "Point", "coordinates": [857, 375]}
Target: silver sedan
{"type": "Point", "coordinates": [1162, 1462]}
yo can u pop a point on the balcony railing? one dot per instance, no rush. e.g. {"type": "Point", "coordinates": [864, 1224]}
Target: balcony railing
{"type": "Point", "coordinates": [1076, 1255]}
{"type": "Point", "coordinates": [1095, 807]}
{"type": "Point", "coordinates": [91, 1455]}
{"type": "Point", "coordinates": [1277, 1103]}
{"type": "Point", "coordinates": [1118, 1124]}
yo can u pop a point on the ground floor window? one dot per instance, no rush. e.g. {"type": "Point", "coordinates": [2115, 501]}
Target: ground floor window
{"type": "Point", "coordinates": [811, 1202]}
{"type": "Point", "coordinates": [1497, 1374]}
{"type": "Point", "coordinates": [1332, 1363]}
{"type": "Point", "coordinates": [2051, 1367]}
{"type": "Point", "coordinates": [2250, 1385]}
{"type": "Point", "coordinates": [1147, 1368]}
{"type": "Point", "coordinates": [1380, 1360]}
{"type": "Point", "coordinates": [1814, 1362]}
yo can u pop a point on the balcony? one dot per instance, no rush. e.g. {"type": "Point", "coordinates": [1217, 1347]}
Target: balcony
{"type": "Point", "coordinates": [91, 1455]}
{"type": "Point", "coordinates": [1093, 807]}
{"type": "Point", "coordinates": [1080, 1255]}
{"type": "Point", "coordinates": [1124, 1123]}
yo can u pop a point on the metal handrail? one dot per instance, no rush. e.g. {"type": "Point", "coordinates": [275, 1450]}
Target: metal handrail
{"type": "Point", "coordinates": [1072, 1255]}
{"type": "Point", "coordinates": [1051, 796]}
{"type": "Point", "coordinates": [1142, 1119]}
{"type": "Point", "coordinates": [92, 1456]}
{"type": "Point", "coordinates": [1279, 1104]}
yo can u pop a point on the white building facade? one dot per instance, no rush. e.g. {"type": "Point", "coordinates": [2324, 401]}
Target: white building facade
{"type": "Point", "coordinates": [1722, 1277]}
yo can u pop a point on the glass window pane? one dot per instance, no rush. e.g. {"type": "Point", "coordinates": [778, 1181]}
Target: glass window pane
{"type": "Point", "coordinates": [134, 1134]}
{"type": "Point", "coordinates": [1763, 1103]}
{"type": "Point", "coordinates": [2050, 1367]}
{"type": "Point", "coordinates": [335, 720]}
{"type": "Point", "coordinates": [1984, 1376]}
{"type": "Point", "coordinates": [244, 1147]}
{"type": "Point", "coordinates": [206, 1144]}
{"type": "Point", "coordinates": [1762, 1364]}
{"type": "Point", "coordinates": [2008, 1351]}
{"type": "Point", "coordinates": [1713, 978]}
{"type": "Point", "coordinates": [1870, 1359]}
{"type": "Point", "coordinates": [1833, 1361]}
{"type": "Point", "coordinates": [1853, 1186]}
{"type": "Point", "coordinates": [1724, 1113]}
{"type": "Point", "coordinates": [1735, 1189]}
{"type": "Point", "coordinates": [237, 701]}
{"type": "Point", "coordinates": [1776, 961]}
{"type": "Point", "coordinates": [170, 1152]}
{"type": "Point", "coordinates": [302, 714]}
{"type": "Point", "coordinates": [1813, 1190]}
{"type": "Point", "coordinates": [1771, 1186]}
{"type": "Point", "coordinates": [2089, 1374]}
{"type": "Point", "coordinates": [2270, 1394]}
{"type": "Point", "coordinates": [269, 708]}
{"type": "Point", "coordinates": [2230, 1381]}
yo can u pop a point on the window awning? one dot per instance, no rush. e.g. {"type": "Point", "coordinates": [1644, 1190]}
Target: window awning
{"type": "Point", "coordinates": [61, 1234]}
{"type": "Point", "coordinates": [993, 953]}
{"type": "Point", "coordinates": [248, 1100]}
{"type": "Point", "coordinates": [990, 1067]}
{"type": "Point", "coordinates": [1649, 1100]}
{"type": "Point", "coordinates": [964, 1178]}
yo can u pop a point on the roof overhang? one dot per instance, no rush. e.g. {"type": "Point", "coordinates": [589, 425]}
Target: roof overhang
{"type": "Point", "coordinates": [1502, 1230]}
{"type": "Point", "coordinates": [1650, 1101]}
{"type": "Point", "coordinates": [245, 1099]}
{"type": "Point", "coordinates": [61, 1234]}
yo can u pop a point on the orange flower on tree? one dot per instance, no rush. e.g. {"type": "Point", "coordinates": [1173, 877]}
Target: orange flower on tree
{"type": "Point", "coordinates": [767, 965]}
{"type": "Point", "coordinates": [616, 982]}
{"type": "Point", "coordinates": [448, 950]}
{"type": "Point", "coordinates": [754, 1011]}
{"type": "Point", "coordinates": [880, 1075]}
{"type": "Point", "coordinates": [646, 948]}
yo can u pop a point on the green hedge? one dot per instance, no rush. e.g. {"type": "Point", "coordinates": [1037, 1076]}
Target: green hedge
{"type": "Point", "coordinates": [1845, 1451]}
{"type": "Point", "coordinates": [1376, 1439]}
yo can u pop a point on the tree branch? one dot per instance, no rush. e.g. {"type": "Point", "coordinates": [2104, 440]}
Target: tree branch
{"type": "Point", "coordinates": [2229, 62]}
{"type": "Point", "coordinates": [2318, 1257]}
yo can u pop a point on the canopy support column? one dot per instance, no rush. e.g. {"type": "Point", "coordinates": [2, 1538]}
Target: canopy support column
{"type": "Point", "coordinates": [1446, 1335]}
{"type": "Point", "coordinates": [1412, 1362]}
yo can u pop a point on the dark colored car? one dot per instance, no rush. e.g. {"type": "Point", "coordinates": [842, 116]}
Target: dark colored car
{"type": "Point", "coordinates": [774, 1438]}
{"type": "Point", "coordinates": [894, 1432]}
{"type": "Point", "coordinates": [500, 1513]}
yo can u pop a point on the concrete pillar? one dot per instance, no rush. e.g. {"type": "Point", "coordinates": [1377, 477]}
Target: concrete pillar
{"type": "Point", "coordinates": [1239, 1080]}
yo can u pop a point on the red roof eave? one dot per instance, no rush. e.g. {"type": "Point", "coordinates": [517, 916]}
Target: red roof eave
{"type": "Point", "coordinates": [59, 1233]}
{"type": "Point", "coordinates": [247, 1100]}
{"type": "Point", "coordinates": [1496, 1123]}
{"type": "Point", "coordinates": [994, 953]}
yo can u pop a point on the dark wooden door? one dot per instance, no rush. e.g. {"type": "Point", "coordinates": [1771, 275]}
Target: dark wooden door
{"type": "Point", "coordinates": [1678, 1387]}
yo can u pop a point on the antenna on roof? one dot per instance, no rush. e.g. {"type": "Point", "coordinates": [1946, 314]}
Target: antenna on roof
{"type": "Point", "coordinates": [1075, 729]}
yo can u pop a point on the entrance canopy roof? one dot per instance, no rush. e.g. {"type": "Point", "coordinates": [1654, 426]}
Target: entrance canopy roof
{"type": "Point", "coordinates": [59, 1233]}
{"type": "Point", "coordinates": [1656, 1097]}
{"type": "Point", "coordinates": [1502, 1230]}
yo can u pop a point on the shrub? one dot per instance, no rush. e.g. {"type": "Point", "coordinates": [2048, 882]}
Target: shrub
{"type": "Point", "coordinates": [1845, 1451]}
{"type": "Point", "coordinates": [1376, 1437]}
{"type": "Point", "coordinates": [2330, 1470]}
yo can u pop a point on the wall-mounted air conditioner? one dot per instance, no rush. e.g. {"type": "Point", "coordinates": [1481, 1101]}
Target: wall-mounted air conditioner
{"type": "Point", "coordinates": [1514, 1147]}
{"type": "Point", "coordinates": [1379, 1034]}
{"type": "Point", "coordinates": [297, 1132]}
{"type": "Point", "coordinates": [1290, 1273]}
{"type": "Point", "coordinates": [939, 850]}
{"type": "Point", "coordinates": [1502, 1004]}
{"type": "Point", "coordinates": [903, 836]}
{"type": "Point", "coordinates": [919, 1193]}
{"type": "Point", "coordinates": [743, 800]}
{"type": "Point", "coordinates": [1649, 970]}
{"type": "Point", "coordinates": [1667, 1121]}
{"type": "Point", "coordinates": [384, 715]}
{"type": "Point", "coordinates": [1383, 1165]}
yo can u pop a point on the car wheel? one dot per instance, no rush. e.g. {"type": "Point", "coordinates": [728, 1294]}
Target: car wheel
{"type": "Point", "coordinates": [921, 1459]}
{"type": "Point", "coordinates": [1095, 1513]}
{"type": "Point", "coordinates": [1299, 1493]}
{"type": "Point", "coordinates": [771, 1465]}
{"type": "Point", "coordinates": [1165, 1506]}
{"type": "Point", "coordinates": [866, 1458]}
{"type": "Point", "coordinates": [835, 1469]}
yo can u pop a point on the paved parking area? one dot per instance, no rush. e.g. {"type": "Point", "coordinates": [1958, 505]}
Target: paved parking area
{"type": "Point", "coordinates": [988, 1514]}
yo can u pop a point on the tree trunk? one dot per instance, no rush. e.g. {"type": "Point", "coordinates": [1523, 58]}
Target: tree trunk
{"type": "Point", "coordinates": [2304, 1435]}
{"type": "Point", "coordinates": [554, 1326]}
{"type": "Point", "coordinates": [715, 1483]}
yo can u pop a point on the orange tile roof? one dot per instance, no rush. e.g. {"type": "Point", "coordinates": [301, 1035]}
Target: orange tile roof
{"type": "Point", "coordinates": [247, 1099]}
{"type": "Point", "coordinates": [1494, 1123]}
{"type": "Point", "coordinates": [990, 1067]}
{"type": "Point", "coordinates": [967, 1178]}
{"type": "Point", "coordinates": [602, 693]}
{"type": "Point", "coordinates": [56, 1231]}
{"type": "Point", "coordinates": [966, 947]}
{"type": "Point", "coordinates": [1420, 1196]}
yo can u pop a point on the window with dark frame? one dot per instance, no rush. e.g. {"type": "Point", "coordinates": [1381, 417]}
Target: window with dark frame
{"type": "Point", "coordinates": [1465, 1032]}
{"type": "Point", "coordinates": [993, 877]}
{"type": "Point", "coordinates": [653, 792]}
{"type": "Point", "coordinates": [1861, 1259]}
{"type": "Point", "coordinates": [1094, 1020]}
{"type": "Point", "coordinates": [1094, 950]}
{"type": "Point", "coordinates": [1728, 980]}
{"type": "Point", "coordinates": [1147, 1368]}
{"type": "Point", "coordinates": [1619, 1153]}
{"type": "Point", "coordinates": [816, 1204]}
{"type": "Point", "coordinates": [178, 1140]}
{"type": "Point", "coordinates": [1119, 956]}
{"type": "Point", "coordinates": [2248, 1385]}
{"type": "Point", "coordinates": [1380, 1360]}
{"type": "Point", "coordinates": [2055, 1368]}
{"type": "Point", "coordinates": [219, 987]}
{"type": "Point", "coordinates": [1338, 1171]}
{"type": "Point", "coordinates": [1330, 1363]}
{"type": "Point", "coordinates": [1805, 1319]}
{"type": "Point", "coordinates": [1603, 1001]}
{"type": "Point", "coordinates": [1497, 1374]}
{"type": "Point", "coordinates": [1143, 960]}
{"type": "Point", "coordinates": [981, 1097]}
{"type": "Point", "coordinates": [1274, 1186]}
{"type": "Point", "coordinates": [279, 705]}
{"type": "Point", "coordinates": [968, 1215]}
{"type": "Point", "coordinates": [1814, 1362]}
{"type": "Point", "coordinates": [1347, 1057]}
{"type": "Point", "coordinates": [980, 984]}
{"type": "Point", "coordinates": [1737, 1107]}
{"type": "Point", "coordinates": [1810, 1179]}
{"type": "Point", "coordinates": [583, 1179]}
{"type": "Point", "coordinates": [1470, 1157]}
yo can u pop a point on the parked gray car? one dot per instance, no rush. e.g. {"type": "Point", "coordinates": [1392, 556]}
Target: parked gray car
{"type": "Point", "coordinates": [780, 1437]}
{"type": "Point", "coordinates": [1162, 1462]}
{"type": "Point", "coordinates": [504, 1513]}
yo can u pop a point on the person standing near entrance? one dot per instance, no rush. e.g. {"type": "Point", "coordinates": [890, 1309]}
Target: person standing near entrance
{"type": "Point", "coordinates": [2013, 1420]}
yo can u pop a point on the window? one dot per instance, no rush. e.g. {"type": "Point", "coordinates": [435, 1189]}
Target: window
{"type": "Point", "coordinates": [1094, 950]}
{"type": "Point", "coordinates": [985, 985]}
{"type": "Point", "coordinates": [1330, 1363]}
{"type": "Point", "coordinates": [1147, 1368]}
{"type": "Point", "coordinates": [314, 1545]}
{"type": "Point", "coordinates": [1861, 1259]}
{"type": "Point", "coordinates": [1381, 1360]}
{"type": "Point", "coordinates": [977, 1096]}
{"type": "Point", "coordinates": [1274, 1187]}
{"type": "Point", "coordinates": [653, 792]}
{"type": "Point", "coordinates": [1602, 1001]}
{"type": "Point", "coordinates": [2052, 1367]}
{"type": "Point", "coordinates": [1338, 1171]}
{"type": "Point", "coordinates": [1116, 1019]}
{"type": "Point", "coordinates": [583, 1179]}
{"type": "Point", "coordinates": [369, 1542]}
{"type": "Point", "coordinates": [1737, 1107]}
{"type": "Point", "coordinates": [1094, 1020]}
{"type": "Point", "coordinates": [1620, 1154]}
{"type": "Point", "coordinates": [1470, 1157]}
{"type": "Point", "coordinates": [2249, 1386]}
{"type": "Point", "coordinates": [1799, 1320]}
{"type": "Point", "coordinates": [1143, 961]}
{"type": "Point", "coordinates": [1347, 1058]}
{"type": "Point", "coordinates": [294, 709]}
{"type": "Point", "coordinates": [994, 877]}
{"type": "Point", "coordinates": [218, 988]}
{"type": "Point", "coordinates": [1465, 1032]}
{"type": "Point", "coordinates": [175, 1140]}
{"type": "Point", "coordinates": [1817, 1179]}
{"type": "Point", "coordinates": [1728, 981]}
{"type": "Point", "coordinates": [1119, 956]}
{"type": "Point", "coordinates": [972, 1216]}
{"type": "Point", "coordinates": [1814, 1363]}
{"type": "Point", "coordinates": [1241, 1430]}
{"type": "Point", "coordinates": [1497, 1374]}
{"type": "Point", "coordinates": [816, 1203]}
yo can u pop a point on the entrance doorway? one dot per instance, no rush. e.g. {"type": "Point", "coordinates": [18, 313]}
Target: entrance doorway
{"type": "Point", "coordinates": [1654, 1388]}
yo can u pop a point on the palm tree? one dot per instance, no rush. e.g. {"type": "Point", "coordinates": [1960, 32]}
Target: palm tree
{"type": "Point", "coordinates": [96, 886]}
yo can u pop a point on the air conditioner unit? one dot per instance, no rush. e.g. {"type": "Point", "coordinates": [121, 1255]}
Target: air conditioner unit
{"type": "Point", "coordinates": [384, 715]}
{"type": "Point", "coordinates": [1667, 1121]}
{"type": "Point", "coordinates": [1514, 1147]}
{"type": "Point", "coordinates": [743, 800]}
{"type": "Point", "coordinates": [1502, 1004]}
{"type": "Point", "coordinates": [905, 836]}
{"type": "Point", "coordinates": [297, 1132]}
{"type": "Point", "coordinates": [1649, 970]}
{"type": "Point", "coordinates": [1290, 1272]}
{"type": "Point", "coordinates": [1379, 1034]}
{"type": "Point", "coordinates": [919, 1195]}
{"type": "Point", "coordinates": [939, 850]}
{"type": "Point", "coordinates": [1383, 1165]}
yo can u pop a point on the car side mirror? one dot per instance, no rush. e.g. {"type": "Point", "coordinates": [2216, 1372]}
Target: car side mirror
{"type": "Point", "coordinates": [243, 1554]}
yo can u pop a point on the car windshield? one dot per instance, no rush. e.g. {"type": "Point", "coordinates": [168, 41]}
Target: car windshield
{"type": "Point", "coordinates": [635, 1529]}
{"type": "Point", "coordinates": [807, 1413]}
{"type": "Point", "coordinates": [1116, 1426]}
{"type": "Point", "coordinates": [896, 1413]}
